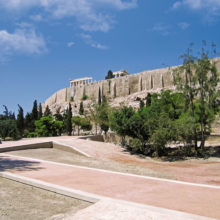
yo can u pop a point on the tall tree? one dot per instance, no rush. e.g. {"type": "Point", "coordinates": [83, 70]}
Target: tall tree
{"type": "Point", "coordinates": [8, 114]}
{"type": "Point", "coordinates": [20, 120]}
{"type": "Point", "coordinates": [148, 99]}
{"type": "Point", "coordinates": [199, 87]}
{"type": "Point", "coordinates": [99, 97]}
{"type": "Point", "coordinates": [34, 112]}
{"type": "Point", "coordinates": [68, 120]}
{"type": "Point", "coordinates": [81, 108]}
{"type": "Point", "coordinates": [28, 122]}
{"type": "Point", "coordinates": [40, 112]}
{"type": "Point", "coordinates": [5, 112]}
{"type": "Point", "coordinates": [47, 111]}
{"type": "Point", "coordinates": [109, 75]}
{"type": "Point", "coordinates": [81, 123]}
{"type": "Point", "coordinates": [102, 112]}
{"type": "Point", "coordinates": [48, 127]}
{"type": "Point", "coordinates": [58, 116]}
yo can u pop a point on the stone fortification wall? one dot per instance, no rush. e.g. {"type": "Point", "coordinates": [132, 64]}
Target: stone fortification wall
{"type": "Point", "coordinates": [126, 85]}
{"type": "Point", "coordinates": [149, 81]}
{"type": "Point", "coordinates": [58, 99]}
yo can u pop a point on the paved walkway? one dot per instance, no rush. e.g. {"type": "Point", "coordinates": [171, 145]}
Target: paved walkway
{"type": "Point", "coordinates": [198, 199]}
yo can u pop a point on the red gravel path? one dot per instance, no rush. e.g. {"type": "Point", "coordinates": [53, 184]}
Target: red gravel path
{"type": "Point", "coordinates": [187, 198]}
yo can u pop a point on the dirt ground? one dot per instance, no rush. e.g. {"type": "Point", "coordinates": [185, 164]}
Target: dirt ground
{"type": "Point", "coordinates": [20, 201]}
{"type": "Point", "coordinates": [193, 170]}
{"type": "Point", "coordinates": [45, 205]}
{"type": "Point", "coordinates": [75, 159]}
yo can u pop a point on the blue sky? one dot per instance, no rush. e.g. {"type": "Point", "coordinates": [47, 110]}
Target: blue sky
{"type": "Point", "coordinates": [44, 43]}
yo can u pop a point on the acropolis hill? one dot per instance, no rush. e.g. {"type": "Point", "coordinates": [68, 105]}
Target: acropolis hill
{"type": "Point", "coordinates": [124, 88]}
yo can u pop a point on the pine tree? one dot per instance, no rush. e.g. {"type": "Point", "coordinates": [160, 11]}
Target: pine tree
{"type": "Point", "coordinates": [20, 120]}
{"type": "Point", "coordinates": [28, 122]}
{"type": "Point", "coordinates": [58, 116]}
{"type": "Point", "coordinates": [99, 97]}
{"type": "Point", "coordinates": [34, 112]}
{"type": "Point", "coordinates": [81, 108]}
{"type": "Point", "coordinates": [141, 104]}
{"type": "Point", "coordinates": [110, 75]}
{"type": "Point", "coordinates": [68, 123]}
{"type": "Point", "coordinates": [40, 112]}
{"type": "Point", "coordinates": [5, 112]}
{"type": "Point", "coordinates": [148, 99]}
{"type": "Point", "coordinates": [47, 111]}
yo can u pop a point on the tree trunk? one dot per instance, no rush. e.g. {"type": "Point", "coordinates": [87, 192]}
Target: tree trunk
{"type": "Point", "coordinates": [202, 144]}
{"type": "Point", "coordinates": [78, 130]}
{"type": "Point", "coordinates": [96, 128]}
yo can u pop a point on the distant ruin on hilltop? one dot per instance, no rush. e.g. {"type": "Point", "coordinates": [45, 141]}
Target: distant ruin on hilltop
{"type": "Point", "coordinates": [122, 86]}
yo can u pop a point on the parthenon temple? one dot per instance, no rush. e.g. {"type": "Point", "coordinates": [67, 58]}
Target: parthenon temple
{"type": "Point", "coordinates": [81, 81]}
{"type": "Point", "coordinates": [120, 73]}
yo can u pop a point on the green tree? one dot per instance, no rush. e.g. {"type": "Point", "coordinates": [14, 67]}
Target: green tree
{"type": "Point", "coordinates": [34, 112]}
{"type": "Point", "coordinates": [8, 128]}
{"type": "Point", "coordinates": [81, 123]}
{"type": "Point", "coordinates": [81, 108]}
{"type": "Point", "coordinates": [199, 86]}
{"type": "Point", "coordinates": [68, 120]}
{"type": "Point", "coordinates": [102, 113]}
{"type": "Point", "coordinates": [20, 121]}
{"type": "Point", "coordinates": [58, 116]}
{"type": "Point", "coordinates": [28, 123]}
{"type": "Point", "coordinates": [76, 120]}
{"type": "Point", "coordinates": [120, 121]}
{"type": "Point", "coordinates": [47, 111]}
{"type": "Point", "coordinates": [85, 124]}
{"type": "Point", "coordinates": [8, 114]}
{"type": "Point", "coordinates": [110, 75]}
{"type": "Point", "coordinates": [5, 112]}
{"type": "Point", "coordinates": [48, 127]}
{"type": "Point", "coordinates": [141, 104]}
{"type": "Point", "coordinates": [40, 112]}
{"type": "Point", "coordinates": [148, 99]}
{"type": "Point", "coordinates": [99, 97]}
{"type": "Point", "coordinates": [93, 116]}
{"type": "Point", "coordinates": [139, 129]}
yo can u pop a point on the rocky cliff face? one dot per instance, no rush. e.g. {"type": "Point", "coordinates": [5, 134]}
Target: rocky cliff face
{"type": "Point", "coordinates": [127, 90]}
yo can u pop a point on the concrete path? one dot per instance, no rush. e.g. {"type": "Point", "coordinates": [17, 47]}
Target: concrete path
{"type": "Point", "coordinates": [198, 199]}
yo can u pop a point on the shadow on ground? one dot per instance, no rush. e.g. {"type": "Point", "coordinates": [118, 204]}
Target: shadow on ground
{"type": "Point", "coordinates": [7, 164]}
{"type": "Point", "coordinates": [175, 154]}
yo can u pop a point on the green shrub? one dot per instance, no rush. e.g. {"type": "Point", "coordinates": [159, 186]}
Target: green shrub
{"type": "Point", "coordinates": [32, 134]}
{"type": "Point", "coordinates": [84, 97]}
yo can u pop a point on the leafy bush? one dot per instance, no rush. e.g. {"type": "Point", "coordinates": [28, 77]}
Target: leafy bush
{"type": "Point", "coordinates": [81, 123]}
{"type": "Point", "coordinates": [47, 127]}
{"type": "Point", "coordinates": [32, 135]}
{"type": "Point", "coordinates": [84, 97]}
{"type": "Point", "coordinates": [8, 128]}
{"type": "Point", "coordinates": [71, 99]}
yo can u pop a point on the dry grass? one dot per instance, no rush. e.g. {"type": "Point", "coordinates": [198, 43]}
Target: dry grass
{"type": "Point", "coordinates": [20, 201]}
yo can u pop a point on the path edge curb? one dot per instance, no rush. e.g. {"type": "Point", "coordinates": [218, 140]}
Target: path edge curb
{"type": "Point", "coordinates": [50, 187]}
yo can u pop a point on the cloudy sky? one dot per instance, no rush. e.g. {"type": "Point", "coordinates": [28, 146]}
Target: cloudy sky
{"type": "Point", "coordinates": [44, 43]}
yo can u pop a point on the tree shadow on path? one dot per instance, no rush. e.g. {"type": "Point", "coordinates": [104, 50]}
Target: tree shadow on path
{"type": "Point", "coordinates": [9, 164]}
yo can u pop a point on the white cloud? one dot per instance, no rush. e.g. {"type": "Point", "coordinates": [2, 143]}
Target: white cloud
{"type": "Point", "coordinates": [91, 42]}
{"type": "Point", "coordinates": [198, 4]}
{"type": "Point", "coordinates": [36, 17]}
{"type": "Point", "coordinates": [70, 44]}
{"type": "Point", "coordinates": [86, 12]}
{"type": "Point", "coordinates": [23, 40]}
{"type": "Point", "coordinates": [176, 5]}
{"type": "Point", "coordinates": [161, 28]}
{"type": "Point", "coordinates": [183, 25]}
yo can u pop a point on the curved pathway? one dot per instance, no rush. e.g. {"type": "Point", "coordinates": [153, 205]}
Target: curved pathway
{"type": "Point", "coordinates": [198, 199]}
